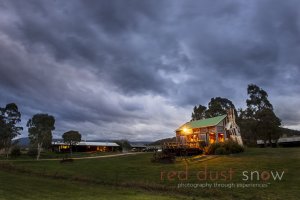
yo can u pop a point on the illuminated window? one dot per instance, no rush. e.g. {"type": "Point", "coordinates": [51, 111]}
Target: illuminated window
{"type": "Point", "coordinates": [220, 137]}
{"type": "Point", "coordinates": [212, 138]}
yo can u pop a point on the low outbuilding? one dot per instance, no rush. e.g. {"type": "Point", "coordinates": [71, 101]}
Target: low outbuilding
{"type": "Point", "coordinates": [85, 146]}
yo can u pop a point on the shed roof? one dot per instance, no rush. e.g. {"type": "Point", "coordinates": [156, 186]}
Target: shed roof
{"type": "Point", "coordinates": [202, 123]}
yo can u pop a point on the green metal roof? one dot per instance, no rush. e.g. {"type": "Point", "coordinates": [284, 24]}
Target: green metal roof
{"type": "Point", "coordinates": [202, 123]}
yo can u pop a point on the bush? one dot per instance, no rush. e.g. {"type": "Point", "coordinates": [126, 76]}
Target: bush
{"type": "Point", "coordinates": [220, 151]}
{"type": "Point", "coordinates": [232, 147]}
{"type": "Point", "coordinates": [32, 152]}
{"type": "Point", "coordinates": [202, 144]}
{"type": "Point", "coordinates": [16, 151]}
{"type": "Point", "coordinates": [210, 150]}
{"type": "Point", "coordinates": [227, 147]}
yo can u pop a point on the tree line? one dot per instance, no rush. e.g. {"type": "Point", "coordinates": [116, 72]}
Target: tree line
{"type": "Point", "coordinates": [40, 128]}
{"type": "Point", "coordinates": [257, 121]}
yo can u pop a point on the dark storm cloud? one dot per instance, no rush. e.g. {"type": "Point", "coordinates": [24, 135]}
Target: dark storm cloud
{"type": "Point", "coordinates": [110, 37]}
{"type": "Point", "coordinates": [135, 69]}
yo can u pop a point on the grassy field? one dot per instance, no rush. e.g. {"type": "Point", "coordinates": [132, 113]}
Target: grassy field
{"type": "Point", "coordinates": [16, 186]}
{"type": "Point", "coordinates": [50, 154]}
{"type": "Point", "coordinates": [128, 176]}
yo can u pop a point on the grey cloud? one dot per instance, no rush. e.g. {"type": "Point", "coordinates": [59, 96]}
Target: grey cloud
{"type": "Point", "coordinates": [136, 68]}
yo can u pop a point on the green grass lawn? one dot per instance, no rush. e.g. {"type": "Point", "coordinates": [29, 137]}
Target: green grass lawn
{"type": "Point", "coordinates": [135, 174]}
{"type": "Point", "coordinates": [23, 187]}
{"type": "Point", "coordinates": [50, 155]}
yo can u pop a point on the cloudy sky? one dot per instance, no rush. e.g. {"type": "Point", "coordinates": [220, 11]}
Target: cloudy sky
{"type": "Point", "coordinates": [134, 69]}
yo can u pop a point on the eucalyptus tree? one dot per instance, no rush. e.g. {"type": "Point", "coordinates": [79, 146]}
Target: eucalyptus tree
{"type": "Point", "coordinates": [10, 116]}
{"type": "Point", "coordinates": [40, 128]}
{"type": "Point", "coordinates": [71, 138]}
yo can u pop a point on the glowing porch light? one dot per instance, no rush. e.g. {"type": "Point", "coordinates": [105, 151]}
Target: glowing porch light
{"type": "Point", "coordinates": [186, 130]}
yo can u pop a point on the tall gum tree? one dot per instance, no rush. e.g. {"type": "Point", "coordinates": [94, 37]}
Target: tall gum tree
{"type": "Point", "coordinates": [71, 138]}
{"type": "Point", "coordinates": [10, 116]}
{"type": "Point", "coordinates": [40, 128]}
{"type": "Point", "coordinates": [260, 117]}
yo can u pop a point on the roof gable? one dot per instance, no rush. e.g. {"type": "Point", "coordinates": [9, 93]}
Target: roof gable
{"type": "Point", "coordinates": [202, 123]}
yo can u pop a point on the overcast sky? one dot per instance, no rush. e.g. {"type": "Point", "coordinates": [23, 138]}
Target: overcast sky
{"type": "Point", "coordinates": [134, 69]}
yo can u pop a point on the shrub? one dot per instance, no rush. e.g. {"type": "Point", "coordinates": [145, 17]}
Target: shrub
{"type": "Point", "coordinates": [16, 151]}
{"type": "Point", "coordinates": [212, 148]}
{"type": "Point", "coordinates": [232, 147]}
{"type": "Point", "coordinates": [220, 151]}
{"type": "Point", "coordinates": [202, 144]}
{"type": "Point", "coordinates": [32, 152]}
{"type": "Point", "coordinates": [227, 147]}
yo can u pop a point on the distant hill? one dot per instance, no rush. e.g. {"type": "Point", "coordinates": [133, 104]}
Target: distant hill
{"type": "Point", "coordinates": [131, 142]}
{"type": "Point", "coordinates": [141, 142]}
{"type": "Point", "coordinates": [290, 132]}
{"type": "Point", "coordinates": [162, 141]}
{"type": "Point", "coordinates": [23, 142]}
